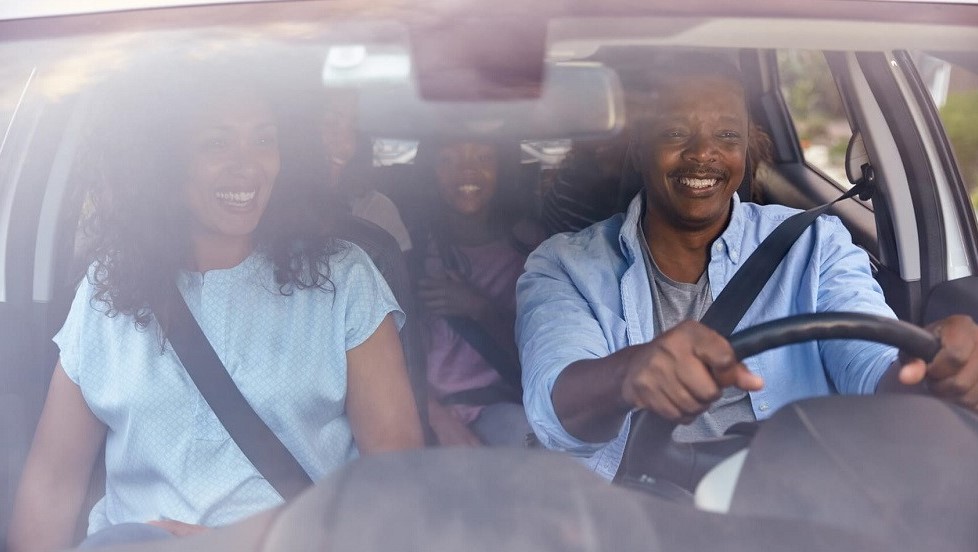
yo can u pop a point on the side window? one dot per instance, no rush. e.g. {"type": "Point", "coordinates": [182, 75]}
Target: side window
{"type": "Point", "coordinates": [954, 91]}
{"type": "Point", "coordinates": [817, 111]}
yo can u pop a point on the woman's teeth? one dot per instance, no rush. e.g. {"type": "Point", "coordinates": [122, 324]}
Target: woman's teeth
{"type": "Point", "coordinates": [698, 183]}
{"type": "Point", "coordinates": [236, 199]}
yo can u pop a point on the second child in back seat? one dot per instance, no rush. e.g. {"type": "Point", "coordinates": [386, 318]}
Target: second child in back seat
{"type": "Point", "coordinates": [349, 160]}
{"type": "Point", "coordinates": [468, 264]}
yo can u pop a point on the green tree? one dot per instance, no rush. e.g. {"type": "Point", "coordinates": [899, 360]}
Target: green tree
{"type": "Point", "coordinates": [960, 117]}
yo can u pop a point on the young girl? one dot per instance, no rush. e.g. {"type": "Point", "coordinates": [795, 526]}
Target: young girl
{"type": "Point", "coordinates": [473, 254]}
{"type": "Point", "coordinates": [349, 158]}
{"type": "Point", "coordinates": [189, 193]}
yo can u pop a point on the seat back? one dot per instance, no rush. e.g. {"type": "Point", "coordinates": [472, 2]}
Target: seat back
{"type": "Point", "coordinates": [385, 253]}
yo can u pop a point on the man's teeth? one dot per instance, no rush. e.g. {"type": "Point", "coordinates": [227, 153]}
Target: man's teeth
{"type": "Point", "coordinates": [469, 189]}
{"type": "Point", "coordinates": [236, 198]}
{"type": "Point", "coordinates": [698, 183]}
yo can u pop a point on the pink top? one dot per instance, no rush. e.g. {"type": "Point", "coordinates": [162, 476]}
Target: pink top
{"type": "Point", "coordinates": [453, 365]}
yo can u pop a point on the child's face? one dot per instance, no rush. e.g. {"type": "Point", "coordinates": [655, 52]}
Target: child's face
{"type": "Point", "coordinates": [234, 161]}
{"type": "Point", "coordinates": [339, 128]}
{"type": "Point", "coordinates": [466, 174]}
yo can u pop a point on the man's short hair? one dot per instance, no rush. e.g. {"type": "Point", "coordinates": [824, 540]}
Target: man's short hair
{"type": "Point", "coordinates": [664, 68]}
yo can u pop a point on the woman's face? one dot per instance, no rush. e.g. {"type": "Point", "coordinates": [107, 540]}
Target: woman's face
{"type": "Point", "coordinates": [234, 161]}
{"type": "Point", "coordinates": [339, 128]}
{"type": "Point", "coordinates": [466, 174]}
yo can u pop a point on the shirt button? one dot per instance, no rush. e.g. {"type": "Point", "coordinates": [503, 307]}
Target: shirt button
{"type": "Point", "coordinates": [764, 406]}
{"type": "Point", "coordinates": [718, 246]}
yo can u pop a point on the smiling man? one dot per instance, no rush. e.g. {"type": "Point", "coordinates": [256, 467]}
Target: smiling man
{"type": "Point", "coordinates": [607, 316]}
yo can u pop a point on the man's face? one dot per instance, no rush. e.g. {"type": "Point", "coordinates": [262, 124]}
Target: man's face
{"type": "Point", "coordinates": [692, 152]}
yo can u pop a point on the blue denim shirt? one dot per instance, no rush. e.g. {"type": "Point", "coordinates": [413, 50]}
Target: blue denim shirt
{"type": "Point", "coordinates": [586, 295]}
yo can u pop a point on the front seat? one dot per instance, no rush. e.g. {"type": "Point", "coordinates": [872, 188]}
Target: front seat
{"type": "Point", "coordinates": [386, 255]}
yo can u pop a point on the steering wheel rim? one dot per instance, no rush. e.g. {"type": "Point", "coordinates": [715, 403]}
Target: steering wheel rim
{"type": "Point", "coordinates": [651, 454]}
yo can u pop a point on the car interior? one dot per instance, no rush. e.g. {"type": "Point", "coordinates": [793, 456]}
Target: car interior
{"type": "Point", "coordinates": [567, 81]}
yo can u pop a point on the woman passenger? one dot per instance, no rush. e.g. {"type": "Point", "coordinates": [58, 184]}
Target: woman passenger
{"type": "Point", "coordinates": [189, 193]}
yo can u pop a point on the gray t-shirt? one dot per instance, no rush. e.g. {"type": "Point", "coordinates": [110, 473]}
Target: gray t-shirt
{"type": "Point", "coordinates": [677, 301]}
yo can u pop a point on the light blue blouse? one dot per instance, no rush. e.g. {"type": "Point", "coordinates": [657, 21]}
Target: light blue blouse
{"type": "Point", "coordinates": [167, 455]}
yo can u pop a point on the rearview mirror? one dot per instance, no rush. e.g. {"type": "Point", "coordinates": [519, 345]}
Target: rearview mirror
{"type": "Point", "coordinates": [576, 100]}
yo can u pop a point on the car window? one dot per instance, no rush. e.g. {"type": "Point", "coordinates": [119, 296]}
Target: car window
{"type": "Point", "coordinates": [954, 91]}
{"type": "Point", "coordinates": [817, 111]}
{"type": "Point", "coordinates": [463, 163]}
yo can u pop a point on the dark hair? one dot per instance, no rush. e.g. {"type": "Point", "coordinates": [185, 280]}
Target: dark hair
{"type": "Point", "coordinates": [506, 207]}
{"type": "Point", "coordinates": [136, 164]}
{"type": "Point", "coordinates": [664, 68]}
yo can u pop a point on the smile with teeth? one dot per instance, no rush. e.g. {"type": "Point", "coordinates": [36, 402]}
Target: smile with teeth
{"type": "Point", "coordinates": [699, 183]}
{"type": "Point", "coordinates": [469, 188]}
{"type": "Point", "coordinates": [236, 199]}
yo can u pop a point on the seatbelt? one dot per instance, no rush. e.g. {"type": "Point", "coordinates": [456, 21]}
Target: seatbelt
{"type": "Point", "coordinates": [737, 296]}
{"type": "Point", "coordinates": [506, 364]}
{"type": "Point", "coordinates": [479, 339]}
{"type": "Point", "coordinates": [258, 443]}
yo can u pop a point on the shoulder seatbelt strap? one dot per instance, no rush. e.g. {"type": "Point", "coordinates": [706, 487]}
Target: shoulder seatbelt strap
{"type": "Point", "coordinates": [258, 443]}
{"type": "Point", "coordinates": [506, 364]}
{"type": "Point", "coordinates": [738, 295]}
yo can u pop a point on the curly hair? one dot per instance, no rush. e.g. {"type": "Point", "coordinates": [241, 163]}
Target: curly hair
{"type": "Point", "coordinates": [136, 163]}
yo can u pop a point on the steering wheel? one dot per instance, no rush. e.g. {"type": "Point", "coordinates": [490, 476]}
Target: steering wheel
{"type": "Point", "coordinates": [651, 457]}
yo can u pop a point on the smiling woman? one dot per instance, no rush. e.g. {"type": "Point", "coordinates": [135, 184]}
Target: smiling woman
{"type": "Point", "coordinates": [183, 211]}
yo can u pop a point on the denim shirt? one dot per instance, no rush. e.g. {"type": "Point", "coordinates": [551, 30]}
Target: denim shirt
{"type": "Point", "coordinates": [586, 295]}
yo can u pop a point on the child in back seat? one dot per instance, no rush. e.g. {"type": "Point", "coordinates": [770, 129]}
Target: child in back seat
{"type": "Point", "coordinates": [468, 260]}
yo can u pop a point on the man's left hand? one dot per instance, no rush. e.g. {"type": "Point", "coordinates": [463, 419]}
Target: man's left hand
{"type": "Point", "coordinates": [953, 374]}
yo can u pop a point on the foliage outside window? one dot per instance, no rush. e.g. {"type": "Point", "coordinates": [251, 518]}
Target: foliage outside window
{"type": "Point", "coordinates": [954, 91]}
{"type": "Point", "coordinates": [817, 111]}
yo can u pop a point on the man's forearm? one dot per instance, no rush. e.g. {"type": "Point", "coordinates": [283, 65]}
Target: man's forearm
{"type": "Point", "coordinates": [587, 397]}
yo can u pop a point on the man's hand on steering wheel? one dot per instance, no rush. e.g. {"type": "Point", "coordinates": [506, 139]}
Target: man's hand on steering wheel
{"type": "Point", "coordinates": [680, 374]}
{"type": "Point", "coordinates": [953, 374]}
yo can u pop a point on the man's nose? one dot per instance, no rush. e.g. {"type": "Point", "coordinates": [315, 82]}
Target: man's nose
{"type": "Point", "coordinates": [701, 148]}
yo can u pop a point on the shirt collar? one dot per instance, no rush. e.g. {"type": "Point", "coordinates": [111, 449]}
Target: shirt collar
{"type": "Point", "coordinates": [729, 240]}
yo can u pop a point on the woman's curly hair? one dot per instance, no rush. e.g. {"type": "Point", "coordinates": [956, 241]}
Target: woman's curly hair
{"type": "Point", "coordinates": [136, 163]}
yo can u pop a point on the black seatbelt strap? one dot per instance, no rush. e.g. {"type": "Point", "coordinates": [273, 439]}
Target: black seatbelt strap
{"type": "Point", "coordinates": [480, 340]}
{"type": "Point", "coordinates": [738, 295]}
{"type": "Point", "coordinates": [733, 301]}
{"type": "Point", "coordinates": [503, 362]}
{"type": "Point", "coordinates": [258, 443]}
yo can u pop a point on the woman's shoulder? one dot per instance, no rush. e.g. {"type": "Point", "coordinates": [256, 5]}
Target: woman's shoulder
{"type": "Point", "coordinates": [351, 265]}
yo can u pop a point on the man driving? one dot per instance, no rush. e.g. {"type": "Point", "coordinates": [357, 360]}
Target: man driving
{"type": "Point", "coordinates": [607, 317]}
